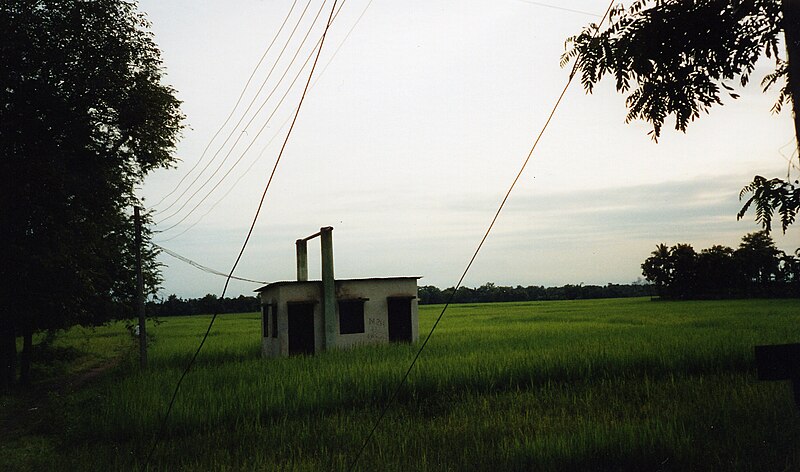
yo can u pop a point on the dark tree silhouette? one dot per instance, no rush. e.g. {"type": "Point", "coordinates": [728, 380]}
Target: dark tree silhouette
{"type": "Point", "coordinates": [759, 259]}
{"type": "Point", "coordinates": [715, 272]}
{"type": "Point", "coordinates": [756, 269]}
{"type": "Point", "coordinates": [770, 196]}
{"type": "Point", "coordinates": [83, 118]}
{"type": "Point", "coordinates": [657, 269]}
{"type": "Point", "coordinates": [678, 58]}
{"type": "Point", "coordinates": [683, 262]}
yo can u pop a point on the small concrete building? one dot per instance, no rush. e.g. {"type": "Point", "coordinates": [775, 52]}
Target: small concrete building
{"type": "Point", "coordinates": [308, 316]}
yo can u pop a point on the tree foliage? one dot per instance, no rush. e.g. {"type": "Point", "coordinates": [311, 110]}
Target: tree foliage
{"type": "Point", "coordinates": [208, 304]}
{"type": "Point", "coordinates": [84, 116]}
{"type": "Point", "coordinates": [756, 269]}
{"type": "Point", "coordinates": [676, 57]}
{"type": "Point", "coordinates": [770, 196]}
{"type": "Point", "coordinates": [489, 292]}
{"type": "Point", "coordinates": [680, 57]}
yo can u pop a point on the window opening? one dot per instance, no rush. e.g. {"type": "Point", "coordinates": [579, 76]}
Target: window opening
{"type": "Point", "coordinates": [351, 316]}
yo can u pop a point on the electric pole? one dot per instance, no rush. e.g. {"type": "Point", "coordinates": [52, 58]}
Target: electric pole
{"type": "Point", "coordinates": [137, 222]}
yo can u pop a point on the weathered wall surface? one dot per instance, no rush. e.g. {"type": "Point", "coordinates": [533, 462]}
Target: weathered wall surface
{"type": "Point", "coordinates": [375, 293]}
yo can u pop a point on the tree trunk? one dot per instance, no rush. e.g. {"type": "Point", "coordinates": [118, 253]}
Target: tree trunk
{"type": "Point", "coordinates": [8, 356]}
{"type": "Point", "coordinates": [25, 358]}
{"type": "Point", "coordinates": [791, 31]}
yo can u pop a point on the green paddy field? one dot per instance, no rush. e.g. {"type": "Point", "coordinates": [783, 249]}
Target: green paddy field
{"type": "Point", "coordinates": [625, 384]}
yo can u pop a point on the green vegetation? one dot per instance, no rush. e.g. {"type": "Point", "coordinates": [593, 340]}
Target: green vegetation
{"type": "Point", "coordinates": [623, 384]}
{"type": "Point", "coordinates": [85, 117]}
{"type": "Point", "coordinates": [756, 269]}
{"type": "Point", "coordinates": [713, 46]}
{"type": "Point", "coordinates": [489, 292]}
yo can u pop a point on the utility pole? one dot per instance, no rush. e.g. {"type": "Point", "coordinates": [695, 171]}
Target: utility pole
{"type": "Point", "coordinates": [137, 222]}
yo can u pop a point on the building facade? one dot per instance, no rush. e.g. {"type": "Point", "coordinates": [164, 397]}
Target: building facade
{"type": "Point", "coordinates": [367, 311]}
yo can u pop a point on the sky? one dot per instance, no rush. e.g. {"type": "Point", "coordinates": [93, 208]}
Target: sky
{"type": "Point", "coordinates": [419, 116]}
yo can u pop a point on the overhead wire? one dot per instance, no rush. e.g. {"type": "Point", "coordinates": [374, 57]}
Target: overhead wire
{"type": "Point", "coordinates": [201, 266]}
{"type": "Point", "coordinates": [404, 378]}
{"type": "Point", "coordinates": [252, 118]}
{"type": "Point", "coordinates": [555, 7]}
{"type": "Point", "coordinates": [285, 122]}
{"type": "Point", "coordinates": [244, 244]}
{"type": "Point", "coordinates": [238, 160]}
{"type": "Point", "coordinates": [255, 138]}
{"type": "Point", "coordinates": [233, 110]}
{"type": "Point", "coordinates": [790, 159]}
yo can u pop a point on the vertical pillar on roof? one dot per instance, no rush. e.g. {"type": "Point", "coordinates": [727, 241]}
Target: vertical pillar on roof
{"type": "Point", "coordinates": [328, 287]}
{"type": "Point", "coordinates": [302, 260]}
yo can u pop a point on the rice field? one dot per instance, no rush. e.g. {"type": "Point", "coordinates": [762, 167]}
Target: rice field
{"type": "Point", "coordinates": [624, 384]}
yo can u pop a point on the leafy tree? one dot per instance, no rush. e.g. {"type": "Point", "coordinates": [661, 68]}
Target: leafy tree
{"type": "Point", "coordinates": [717, 272]}
{"type": "Point", "coordinates": [759, 259]}
{"type": "Point", "coordinates": [683, 262]}
{"type": "Point", "coordinates": [756, 269]}
{"type": "Point", "coordinates": [790, 271]}
{"type": "Point", "coordinates": [770, 196]}
{"type": "Point", "coordinates": [83, 118]}
{"type": "Point", "coordinates": [679, 57]}
{"type": "Point", "coordinates": [656, 268]}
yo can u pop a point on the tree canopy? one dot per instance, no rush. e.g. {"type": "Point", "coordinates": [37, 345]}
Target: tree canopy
{"type": "Point", "coordinates": [755, 269]}
{"type": "Point", "coordinates": [84, 116]}
{"type": "Point", "coordinates": [678, 58]}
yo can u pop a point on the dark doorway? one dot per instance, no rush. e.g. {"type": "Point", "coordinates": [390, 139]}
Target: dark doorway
{"type": "Point", "coordinates": [399, 319]}
{"type": "Point", "coordinates": [301, 328]}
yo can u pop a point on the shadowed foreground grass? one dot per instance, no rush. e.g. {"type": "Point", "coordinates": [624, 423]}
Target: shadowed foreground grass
{"type": "Point", "coordinates": [571, 385]}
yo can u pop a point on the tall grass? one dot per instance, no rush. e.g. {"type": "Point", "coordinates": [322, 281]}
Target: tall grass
{"type": "Point", "coordinates": [604, 385]}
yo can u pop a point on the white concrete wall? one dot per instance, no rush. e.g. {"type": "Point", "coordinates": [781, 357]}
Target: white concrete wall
{"type": "Point", "coordinates": [282, 295]}
{"type": "Point", "coordinates": [376, 326]}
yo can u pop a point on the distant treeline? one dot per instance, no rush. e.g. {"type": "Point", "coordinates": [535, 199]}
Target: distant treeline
{"type": "Point", "coordinates": [757, 269]}
{"type": "Point", "coordinates": [490, 292]}
{"type": "Point", "coordinates": [174, 306]}
{"type": "Point", "coordinates": [428, 294]}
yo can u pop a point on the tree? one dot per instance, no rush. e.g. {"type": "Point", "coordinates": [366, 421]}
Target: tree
{"type": "Point", "coordinates": [759, 260]}
{"type": "Point", "coordinates": [683, 262]}
{"type": "Point", "coordinates": [756, 269]}
{"type": "Point", "coordinates": [84, 117]}
{"type": "Point", "coordinates": [678, 57]}
{"type": "Point", "coordinates": [717, 272]}
{"type": "Point", "coordinates": [790, 271]}
{"type": "Point", "coordinates": [656, 269]}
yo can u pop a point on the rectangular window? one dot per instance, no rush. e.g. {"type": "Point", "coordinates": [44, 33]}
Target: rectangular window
{"type": "Point", "coordinates": [351, 316]}
{"type": "Point", "coordinates": [274, 320]}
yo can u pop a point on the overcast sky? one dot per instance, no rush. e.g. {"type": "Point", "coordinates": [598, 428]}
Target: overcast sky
{"type": "Point", "coordinates": [415, 127]}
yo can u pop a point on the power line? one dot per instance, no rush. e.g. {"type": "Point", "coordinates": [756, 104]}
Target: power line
{"type": "Point", "coordinates": [243, 153]}
{"type": "Point", "coordinates": [244, 245]}
{"type": "Point", "coordinates": [547, 5]}
{"type": "Point", "coordinates": [244, 114]}
{"type": "Point", "coordinates": [235, 106]}
{"type": "Point", "coordinates": [252, 142]}
{"type": "Point", "coordinates": [474, 256]}
{"type": "Point", "coordinates": [336, 51]}
{"type": "Point", "coordinates": [202, 267]}
{"type": "Point", "coordinates": [225, 175]}
{"type": "Point", "coordinates": [278, 132]}
{"type": "Point", "coordinates": [239, 137]}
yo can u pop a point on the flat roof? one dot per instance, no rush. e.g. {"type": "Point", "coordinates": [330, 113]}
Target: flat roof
{"type": "Point", "coordinates": [365, 279]}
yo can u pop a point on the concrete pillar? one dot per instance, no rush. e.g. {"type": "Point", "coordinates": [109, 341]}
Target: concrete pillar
{"type": "Point", "coordinates": [302, 260]}
{"type": "Point", "coordinates": [328, 287]}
